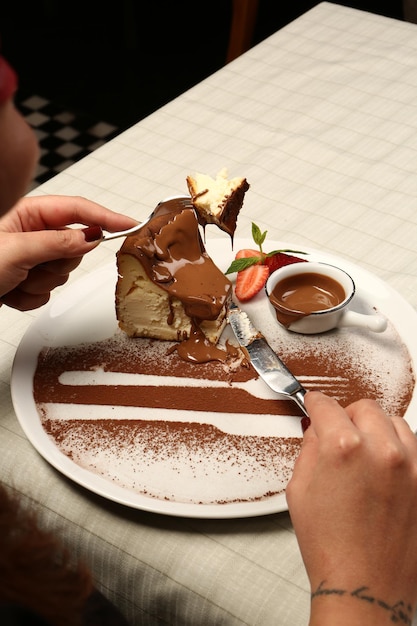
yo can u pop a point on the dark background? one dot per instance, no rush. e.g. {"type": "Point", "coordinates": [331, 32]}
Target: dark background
{"type": "Point", "coordinates": [119, 63]}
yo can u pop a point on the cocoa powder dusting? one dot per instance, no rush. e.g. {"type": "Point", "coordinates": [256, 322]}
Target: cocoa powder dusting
{"type": "Point", "coordinates": [134, 412]}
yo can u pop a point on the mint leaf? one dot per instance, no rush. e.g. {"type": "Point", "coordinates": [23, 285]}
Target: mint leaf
{"type": "Point", "coordinates": [241, 264]}
{"type": "Point", "coordinates": [285, 251]}
{"type": "Point", "coordinates": [258, 236]}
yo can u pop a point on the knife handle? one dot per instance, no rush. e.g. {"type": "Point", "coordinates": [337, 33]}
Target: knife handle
{"type": "Point", "coordinates": [298, 397]}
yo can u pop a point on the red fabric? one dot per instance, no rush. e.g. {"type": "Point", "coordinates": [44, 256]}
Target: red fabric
{"type": "Point", "coordinates": [8, 80]}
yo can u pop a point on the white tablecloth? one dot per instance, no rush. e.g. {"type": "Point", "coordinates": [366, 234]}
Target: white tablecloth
{"type": "Point", "coordinates": [322, 120]}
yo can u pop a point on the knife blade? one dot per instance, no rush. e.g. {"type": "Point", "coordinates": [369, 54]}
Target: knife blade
{"type": "Point", "coordinates": [263, 358]}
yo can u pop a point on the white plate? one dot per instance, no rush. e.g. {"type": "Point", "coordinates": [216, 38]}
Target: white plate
{"type": "Point", "coordinates": [84, 312]}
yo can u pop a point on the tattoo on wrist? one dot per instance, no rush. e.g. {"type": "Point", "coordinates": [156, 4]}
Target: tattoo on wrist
{"type": "Point", "coordinates": [400, 612]}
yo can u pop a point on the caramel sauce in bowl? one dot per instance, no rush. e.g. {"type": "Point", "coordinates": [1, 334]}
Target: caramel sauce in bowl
{"type": "Point", "coordinates": [311, 299]}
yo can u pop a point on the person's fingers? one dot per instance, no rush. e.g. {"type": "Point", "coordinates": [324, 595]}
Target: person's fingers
{"type": "Point", "coordinates": [367, 415]}
{"type": "Point", "coordinates": [54, 212]}
{"type": "Point", "coordinates": [304, 463]}
{"type": "Point", "coordinates": [61, 266]}
{"type": "Point", "coordinates": [21, 252]}
{"type": "Point", "coordinates": [405, 434]}
{"type": "Point", "coordinates": [28, 249]}
{"type": "Point", "coordinates": [41, 281]}
{"type": "Point", "coordinates": [307, 458]}
{"type": "Point", "coordinates": [17, 299]}
{"type": "Point", "coordinates": [308, 455]}
{"type": "Point", "coordinates": [325, 413]}
{"type": "Point", "coordinates": [391, 432]}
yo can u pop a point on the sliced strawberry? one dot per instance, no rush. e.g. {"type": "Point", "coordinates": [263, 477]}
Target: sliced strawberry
{"type": "Point", "coordinates": [254, 266]}
{"type": "Point", "coordinates": [250, 281]}
{"type": "Point", "coordinates": [279, 259]}
{"type": "Point", "coordinates": [246, 253]}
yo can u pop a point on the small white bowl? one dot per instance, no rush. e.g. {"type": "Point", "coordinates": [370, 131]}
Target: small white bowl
{"type": "Point", "coordinates": [307, 321]}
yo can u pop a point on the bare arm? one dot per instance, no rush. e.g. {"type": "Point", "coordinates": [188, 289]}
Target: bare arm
{"type": "Point", "coordinates": [353, 503]}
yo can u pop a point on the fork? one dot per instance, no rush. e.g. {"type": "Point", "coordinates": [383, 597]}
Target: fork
{"type": "Point", "coordinates": [184, 200]}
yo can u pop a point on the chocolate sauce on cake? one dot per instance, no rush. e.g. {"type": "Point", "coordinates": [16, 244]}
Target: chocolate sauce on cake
{"type": "Point", "coordinates": [198, 349]}
{"type": "Point", "coordinates": [170, 250]}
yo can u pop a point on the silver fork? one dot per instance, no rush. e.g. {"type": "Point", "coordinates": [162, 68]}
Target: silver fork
{"type": "Point", "coordinates": [185, 200]}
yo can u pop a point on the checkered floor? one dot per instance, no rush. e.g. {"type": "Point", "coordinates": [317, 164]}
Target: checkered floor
{"type": "Point", "coordinates": [64, 136]}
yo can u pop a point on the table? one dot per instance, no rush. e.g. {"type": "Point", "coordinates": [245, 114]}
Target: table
{"type": "Point", "coordinates": [322, 119]}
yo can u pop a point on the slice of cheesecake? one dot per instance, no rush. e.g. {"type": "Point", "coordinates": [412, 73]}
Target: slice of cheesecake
{"type": "Point", "coordinates": [167, 283]}
{"type": "Point", "coordinates": [217, 200]}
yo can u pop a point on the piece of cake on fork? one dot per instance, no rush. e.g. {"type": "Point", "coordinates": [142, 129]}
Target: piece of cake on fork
{"type": "Point", "coordinates": [218, 200]}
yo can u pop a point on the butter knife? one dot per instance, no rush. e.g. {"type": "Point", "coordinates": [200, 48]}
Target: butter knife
{"type": "Point", "coordinates": [264, 360]}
